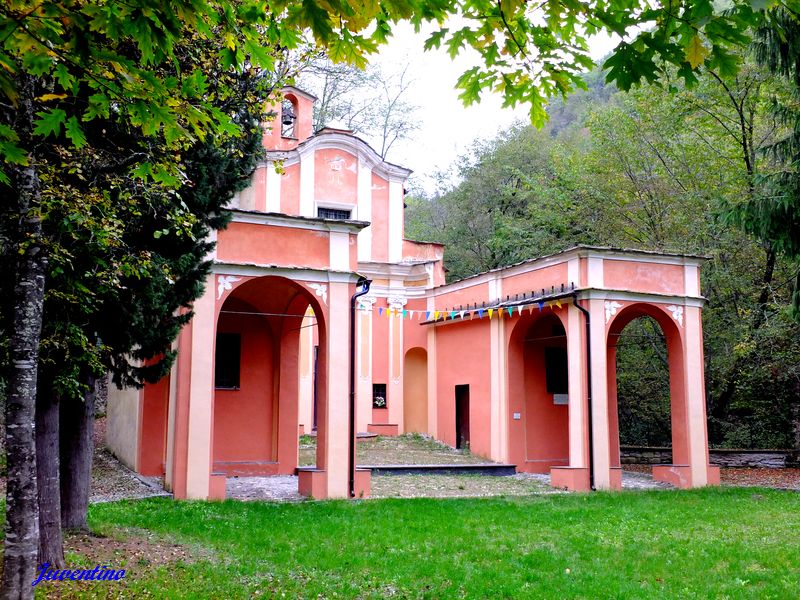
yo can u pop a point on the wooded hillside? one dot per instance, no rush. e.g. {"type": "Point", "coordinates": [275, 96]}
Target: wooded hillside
{"type": "Point", "coordinates": [657, 169]}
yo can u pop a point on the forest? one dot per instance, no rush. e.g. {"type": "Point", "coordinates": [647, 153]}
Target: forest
{"type": "Point", "coordinates": [665, 167]}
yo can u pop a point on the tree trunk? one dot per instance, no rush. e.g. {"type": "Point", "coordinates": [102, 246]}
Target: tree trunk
{"type": "Point", "coordinates": [51, 545]}
{"type": "Point", "coordinates": [22, 517]}
{"type": "Point", "coordinates": [77, 429]}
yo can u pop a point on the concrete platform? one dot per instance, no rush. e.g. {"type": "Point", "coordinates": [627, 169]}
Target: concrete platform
{"type": "Point", "coordinates": [465, 469]}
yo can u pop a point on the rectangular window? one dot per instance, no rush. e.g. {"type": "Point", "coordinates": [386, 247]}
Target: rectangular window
{"type": "Point", "coordinates": [227, 361]}
{"type": "Point", "coordinates": [378, 395]}
{"type": "Point", "coordinates": [555, 361]}
{"type": "Point", "coordinates": [333, 213]}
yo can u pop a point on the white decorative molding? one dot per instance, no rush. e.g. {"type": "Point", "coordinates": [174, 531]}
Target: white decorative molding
{"type": "Point", "coordinates": [344, 142]}
{"type": "Point", "coordinates": [307, 185]}
{"type": "Point", "coordinates": [611, 309]}
{"type": "Point", "coordinates": [225, 284]}
{"type": "Point", "coordinates": [677, 313]}
{"type": "Point", "coordinates": [335, 165]}
{"type": "Point", "coordinates": [274, 179]}
{"type": "Point", "coordinates": [395, 221]}
{"type": "Point", "coordinates": [366, 302]}
{"type": "Point", "coordinates": [321, 290]}
{"type": "Point", "coordinates": [396, 302]}
{"type": "Point", "coordinates": [364, 210]}
{"type": "Point", "coordinates": [627, 296]}
{"type": "Point", "coordinates": [279, 220]}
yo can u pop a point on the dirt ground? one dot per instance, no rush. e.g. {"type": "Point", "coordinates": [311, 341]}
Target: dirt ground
{"type": "Point", "coordinates": [775, 478]}
{"type": "Point", "coordinates": [134, 551]}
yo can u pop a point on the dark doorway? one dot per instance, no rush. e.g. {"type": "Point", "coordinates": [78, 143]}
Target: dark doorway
{"type": "Point", "coordinates": [462, 416]}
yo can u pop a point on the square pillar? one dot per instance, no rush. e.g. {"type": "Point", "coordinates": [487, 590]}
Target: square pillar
{"type": "Point", "coordinates": [334, 416]}
{"type": "Point", "coordinates": [498, 365]}
{"type": "Point", "coordinates": [201, 396]}
{"type": "Point", "coordinates": [433, 380]}
{"type": "Point", "coordinates": [578, 406]}
{"type": "Point", "coordinates": [696, 425]}
{"type": "Point", "coordinates": [600, 411]}
{"type": "Point", "coordinates": [364, 316]}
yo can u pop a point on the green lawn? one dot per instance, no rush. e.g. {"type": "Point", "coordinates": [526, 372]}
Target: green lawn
{"type": "Point", "coordinates": [723, 543]}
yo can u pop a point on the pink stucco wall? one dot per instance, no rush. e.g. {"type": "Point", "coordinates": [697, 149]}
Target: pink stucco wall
{"type": "Point", "coordinates": [643, 276]}
{"type": "Point", "coordinates": [462, 359]}
{"type": "Point", "coordinates": [336, 177]}
{"type": "Point", "coordinates": [290, 189]}
{"type": "Point", "coordinates": [266, 244]}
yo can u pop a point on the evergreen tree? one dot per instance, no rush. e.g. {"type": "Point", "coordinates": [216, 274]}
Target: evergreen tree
{"type": "Point", "coordinates": [775, 215]}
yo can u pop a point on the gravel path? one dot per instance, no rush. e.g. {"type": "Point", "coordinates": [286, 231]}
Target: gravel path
{"type": "Point", "coordinates": [111, 480]}
{"type": "Point", "coordinates": [278, 487]}
{"type": "Point", "coordinates": [284, 487]}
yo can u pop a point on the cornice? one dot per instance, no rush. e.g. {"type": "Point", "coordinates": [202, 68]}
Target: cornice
{"type": "Point", "coordinates": [298, 222]}
{"type": "Point", "coordinates": [339, 140]}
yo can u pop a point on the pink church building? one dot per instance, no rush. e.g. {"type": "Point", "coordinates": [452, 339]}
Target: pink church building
{"type": "Point", "coordinates": [319, 316]}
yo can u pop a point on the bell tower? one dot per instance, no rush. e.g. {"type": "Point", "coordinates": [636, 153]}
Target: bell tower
{"type": "Point", "coordinates": [293, 122]}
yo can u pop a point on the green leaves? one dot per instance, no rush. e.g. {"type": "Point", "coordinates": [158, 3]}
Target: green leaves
{"type": "Point", "coordinates": [518, 51]}
{"type": "Point", "coordinates": [74, 133]}
{"type": "Point", "coordinates": [50, 122]}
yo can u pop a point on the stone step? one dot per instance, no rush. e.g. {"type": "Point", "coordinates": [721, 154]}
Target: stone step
{"type": "Point", "coordinates": [466, 469]}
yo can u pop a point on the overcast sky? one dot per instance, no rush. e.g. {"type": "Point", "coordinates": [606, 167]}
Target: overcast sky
{"type": "Point", "coordinates": [447, 128]}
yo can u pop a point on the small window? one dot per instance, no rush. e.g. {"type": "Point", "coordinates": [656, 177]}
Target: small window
{"type": "Point", "coordinates": [227, 361]}
{"type": "Point", "coordinates": [333, 213]}
{"type": "Point", "coordinates": [378, 395]}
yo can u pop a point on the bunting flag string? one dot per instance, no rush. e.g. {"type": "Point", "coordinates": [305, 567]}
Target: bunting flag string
{"type": "Point", "coordinates": [508, 308]}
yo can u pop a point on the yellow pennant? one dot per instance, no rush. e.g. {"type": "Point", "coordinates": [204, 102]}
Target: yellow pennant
{"type": "Point", "coordinates": [491, 312]}
{"type": "Point", "coordinates": [436, 315]}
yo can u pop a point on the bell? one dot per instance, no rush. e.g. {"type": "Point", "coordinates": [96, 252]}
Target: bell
{"type": "Point", "coordinates": [287, 114]}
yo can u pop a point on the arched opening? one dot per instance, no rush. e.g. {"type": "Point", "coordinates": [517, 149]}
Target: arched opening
{"type": "Point", "coordinates": [646, 388]}
{"type": "Point", "coordinates": [538, 394]}
{"type": "Point", "coordinates": [309, 350]}
{"type": "Point", "coordinates": [288, 117]}
{"type": "Point", "coordinates": [257, 376]}
{"type": "Point", "coordinates": [415, 391]}
{"type": "Point", "coordinates": [642, 369]}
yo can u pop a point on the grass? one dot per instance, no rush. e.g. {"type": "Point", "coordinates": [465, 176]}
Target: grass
{"type": "Point", "coordinates": [713, 543]}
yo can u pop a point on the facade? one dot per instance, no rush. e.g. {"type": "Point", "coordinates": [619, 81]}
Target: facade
{"type": "Point", "coordinates": [518, 363]}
